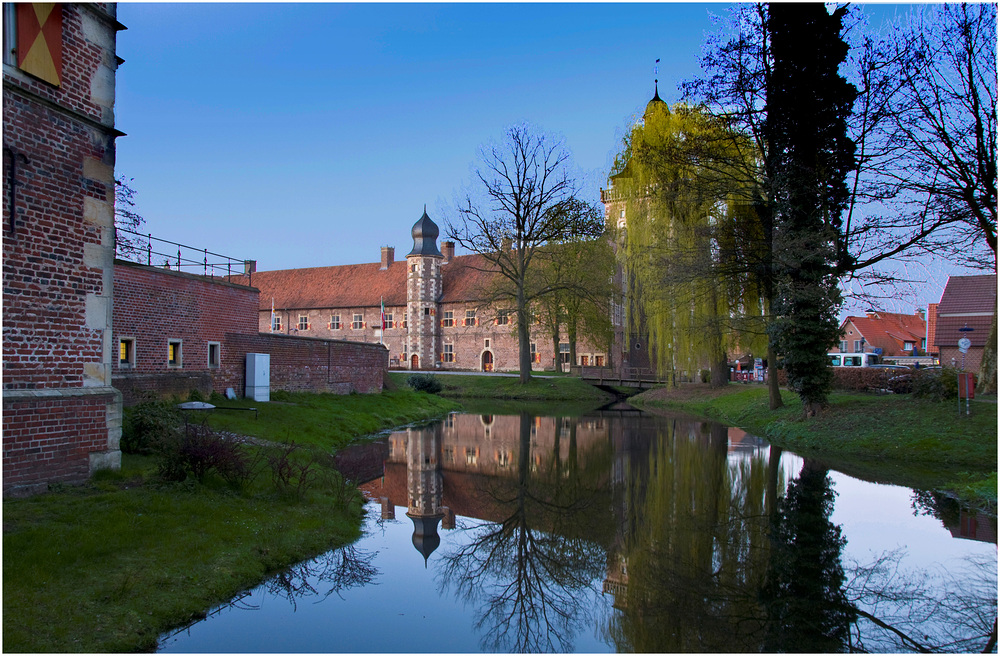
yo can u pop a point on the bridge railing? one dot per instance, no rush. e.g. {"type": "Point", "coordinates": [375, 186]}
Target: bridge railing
{"type": "Point", "coordinates": [153, 251]}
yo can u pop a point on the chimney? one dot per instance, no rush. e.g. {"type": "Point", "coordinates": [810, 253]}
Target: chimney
{"type": "Point", "coordinates": [920, 313]}
{"type": "Point", "coordinates": [448, 250]}
{"type": "Point", "coordinates": [249, 266]}
{"type": "Point", "coordinates": [388, 253]}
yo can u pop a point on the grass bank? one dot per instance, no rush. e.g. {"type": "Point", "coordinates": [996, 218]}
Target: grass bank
{"type": "Point", "coordinates": [329, 421]}
{"type": "Point", "coordinates": [111, 565]}
{"type": "Point", "coordinates": [889, 438]}
{"type": "Point", "coordinates": [509, 388]}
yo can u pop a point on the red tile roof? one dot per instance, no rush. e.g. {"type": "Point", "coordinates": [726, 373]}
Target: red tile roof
{"type": "Point", "coordinates": [364, 285]}
{"type": "Point", "coordinates": [967, 301]}
{"type": "Point", "coordinates": [888, 330]}
{"type": "Point", "coordinates": [969, 294]}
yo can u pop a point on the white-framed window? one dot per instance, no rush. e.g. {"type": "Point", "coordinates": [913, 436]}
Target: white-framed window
{"type": "Point", "coordinates": [470, 317]}
{"type": "Point", "coordinates": [359, 322]}
{"type": "Point", "coordinates": [857, 346]}
{"type": "Point", "coordinates": [175, 356]}
{"type": "Point", "coordinates": [564, 353]}
{"type": "Point", "coordinates": [334, 322]}
{"type": "Point", "coordinates": [449, 353]}
{"type": "Point", "coordinates": [447, 319]}
{"type": "Point", "coordinates": [486, 343]}
{"type": "Point", "coordinates": [276, 323]}
{"type": "Point", "coordinates": [536, 357]}
{"type": "Point", "coordinates": [214, 355]}
{"type": "Point", "coordinates": [471, 456]}
{"type": "Point", "coordinates": [126, 348]}
{"type": "Point", "coordinates": [908, 346]}
{"type": "Point", "coordinates": [303, 322]}
{"type": "Point", "coordinates": [503, 317]}
{"type": "Point", "coordinates": [388, 320]}
{"type": "Point", "coordinates": [843, 346]}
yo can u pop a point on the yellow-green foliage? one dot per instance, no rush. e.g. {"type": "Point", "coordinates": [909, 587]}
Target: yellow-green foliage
{"type": "Point", "coordinates": [692, 238]}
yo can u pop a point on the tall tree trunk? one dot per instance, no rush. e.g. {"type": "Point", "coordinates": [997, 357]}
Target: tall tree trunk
{"type": "Point", "coordinates": [773, 390]}
{"type": "Point", "coordinates": [523, 338]}
{"type": "Point", "coordinates": [988, 367]}
{"type": "Point", "coordinates": [571, 336]}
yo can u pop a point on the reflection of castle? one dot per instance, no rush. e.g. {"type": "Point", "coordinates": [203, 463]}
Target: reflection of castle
{"type": "Point", "coordinates": [444, 469]}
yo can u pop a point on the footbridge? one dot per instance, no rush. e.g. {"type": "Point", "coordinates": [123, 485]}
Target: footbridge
{"type": "Point", "coordinates": [608, 378]}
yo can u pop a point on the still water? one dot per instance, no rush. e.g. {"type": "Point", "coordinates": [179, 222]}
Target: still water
{"type": "Point", "coordinates": [621, 531]}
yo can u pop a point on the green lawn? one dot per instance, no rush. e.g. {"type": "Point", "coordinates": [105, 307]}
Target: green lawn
{"type": "Point", "coordinates": [326, 420]}
{"type": "Point", "coordinates": [110, 565]}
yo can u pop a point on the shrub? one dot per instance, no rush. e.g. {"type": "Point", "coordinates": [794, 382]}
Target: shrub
{"type": "Point", "coordinates": [863, 379]}
{"type": "Point", "coordinates": [147, 424]}
{"type": "Point", "coordinates": [935, 384]}
{"type": "Point", "coordinates": [424, 383]}
{"type": "Point", "coordinates": [198, 451]}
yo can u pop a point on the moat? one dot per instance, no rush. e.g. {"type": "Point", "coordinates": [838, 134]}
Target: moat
{"type": "Point", "coordinates": [621, 531]}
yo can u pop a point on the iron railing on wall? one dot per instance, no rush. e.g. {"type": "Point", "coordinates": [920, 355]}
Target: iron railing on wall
{"type": "Point", "coordinates": [153, 251]}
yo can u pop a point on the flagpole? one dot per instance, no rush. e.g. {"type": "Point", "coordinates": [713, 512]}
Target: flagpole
{"type": "Point", "coordinates": [381, 320]}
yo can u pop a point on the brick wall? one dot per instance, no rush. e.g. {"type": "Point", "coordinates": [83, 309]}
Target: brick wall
{"type": "Point", "coordinates": [58, 250]}
{"type": "Point", "coordinates": [155, 306]}
{"type": "Point", "coordinates": [57, 439]}
{"type": "Point", "coordinates": [306, 364]}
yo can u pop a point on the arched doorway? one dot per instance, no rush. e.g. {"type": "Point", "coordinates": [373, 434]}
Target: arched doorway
{"type": "Point", "coordinates": [487, 361]}
{"type": "Point", "coordinates": [415, 362]}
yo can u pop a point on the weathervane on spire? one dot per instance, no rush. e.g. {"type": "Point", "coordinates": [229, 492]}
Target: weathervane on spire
{"type": "Point", "coordinates": [656, 72]}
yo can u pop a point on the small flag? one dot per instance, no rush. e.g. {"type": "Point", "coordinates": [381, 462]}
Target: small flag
{"type": "Point", "coordinates": [383, 313]}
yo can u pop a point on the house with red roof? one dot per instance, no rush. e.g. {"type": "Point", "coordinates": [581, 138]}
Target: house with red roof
{"type": "Point", "coordinates": [434, 315]}
{"type": "Point", "coordinates": [966, 310]}
{"type": "Point", "coordinates": [888, 333]}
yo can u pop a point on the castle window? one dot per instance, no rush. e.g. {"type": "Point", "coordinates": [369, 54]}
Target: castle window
{"type": "Point", "coordinates": [276, 323]}
{"type": "Point", "coordinates": [470, 317]}
{"type": "Point", "coordinates": [535, 356]}
{"type": "Point", "coordinates": [126, 349]}
{"type": "Point", "coordinates": [214, 355]}
{"type": "Point", "coordinates": [449, 319]}
{"type": "Point", "coordinates": [303, 322]}
{"type": "Point", "coordinates": [598, 360]}
{"type": "Point", "coordinates": [471, 457]}
{"type": "Point", "coordinates": [584, 361]}
{"type": "Point", "coordinates": [564, 353]}
{"type": "Point", "coordinates": [388, 320]}
{"type": "Point", "coordinates": [358, 323]}
{"type": "Point", "coordinates": [503, 317]}
{"type": "Point", "coordinates": [449, 353]}
{"type": "Point", "coordinates": [427, 312]}
{"type": "Point", "coordinates": [335, 322]}
{"type": "Point", "coordinates": [486, 343]}
{"type": "Point", "coordinates": [174, 358]}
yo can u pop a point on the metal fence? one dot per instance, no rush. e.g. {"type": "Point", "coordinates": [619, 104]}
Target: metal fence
{"type": "Point", "coordinates": [153, 251]}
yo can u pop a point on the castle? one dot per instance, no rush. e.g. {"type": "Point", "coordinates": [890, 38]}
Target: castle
{"type": "Point", "coordinates": [435, 318]}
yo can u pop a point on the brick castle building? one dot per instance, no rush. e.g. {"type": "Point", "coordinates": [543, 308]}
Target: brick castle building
{"type": "Point", "coordinates": [434, 314]}
{"type": "Point", "coordinates": [61, 416]}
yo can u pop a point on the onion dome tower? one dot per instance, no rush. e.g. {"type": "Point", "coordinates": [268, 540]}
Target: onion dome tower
{"type": "Point", "coordinates": [423, 289]}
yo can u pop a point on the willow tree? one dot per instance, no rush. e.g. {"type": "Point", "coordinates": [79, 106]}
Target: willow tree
{"type": "Point", "coordinates": [693, 245]}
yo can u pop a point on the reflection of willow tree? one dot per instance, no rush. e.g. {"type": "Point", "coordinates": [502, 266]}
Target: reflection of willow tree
{"type": "Point", "coordinates": [528, 570]}
{"type": "Point", "coordinates": [807, 608]}
{"type": "Point", "coordinates": [695, 548]}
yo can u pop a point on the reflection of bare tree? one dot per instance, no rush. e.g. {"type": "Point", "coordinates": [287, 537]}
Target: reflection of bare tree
{"type": "Point", "coordinates": [924, 611]}
{"type": "Point", "coordinates": [527, 571]}
{"type": "Point", "coordinates": [331, 573]}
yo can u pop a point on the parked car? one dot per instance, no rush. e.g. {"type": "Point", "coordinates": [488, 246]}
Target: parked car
{"type": "Point", "coordinates": [854, 359]}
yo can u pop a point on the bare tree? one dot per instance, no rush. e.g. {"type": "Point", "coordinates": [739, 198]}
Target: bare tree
{"type": "Point", "coordinates": [526, 198]}
{"type": "Point", "coordinates": [128, 244]}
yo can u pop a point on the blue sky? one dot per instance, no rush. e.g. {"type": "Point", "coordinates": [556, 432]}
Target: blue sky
{"type": "Point", "coordinates": [312, 134]}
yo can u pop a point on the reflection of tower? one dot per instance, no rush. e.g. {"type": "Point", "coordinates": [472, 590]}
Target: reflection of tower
{"type": "Point", "coordinates": [424, 487]}
{"type": "Point", "coordinates": [423, 289]}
